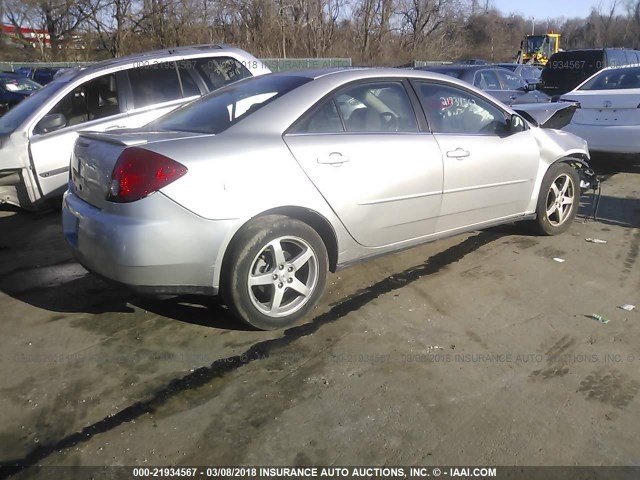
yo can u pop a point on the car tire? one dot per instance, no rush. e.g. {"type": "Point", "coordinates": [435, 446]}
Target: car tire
{"type": "Point", "coordinates": [559, 199]}
{"type": "Point", "coordinates": [275, 272]}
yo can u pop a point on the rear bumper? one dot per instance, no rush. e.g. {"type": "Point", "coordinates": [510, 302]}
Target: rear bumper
{"type": "Point", "coordinates": [614, 139]}
{"type": "Point", "coordinates": [153, 246]}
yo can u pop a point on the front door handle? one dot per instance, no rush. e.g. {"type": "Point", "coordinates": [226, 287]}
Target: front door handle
{"type": "Point", "coordinates": [115, 127]}
{"type": "Point", "coordinates": [334, 158]}
{"type": "Point", "coordinates": [458, 153]}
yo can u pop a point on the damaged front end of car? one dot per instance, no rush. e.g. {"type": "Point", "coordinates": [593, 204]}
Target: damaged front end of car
{"type": "Point", "coordinates": [557, 145]}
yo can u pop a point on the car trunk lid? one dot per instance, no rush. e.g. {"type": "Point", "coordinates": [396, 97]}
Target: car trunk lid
{"type": "Point", "coordinates": [95, 154]}
{"type": "Point", "coordinates": [606, 108]}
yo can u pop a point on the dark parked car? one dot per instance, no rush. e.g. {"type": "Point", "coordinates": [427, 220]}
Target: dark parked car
{"type": "Point", "coordinates": [41, 75]}
{"type": "Point", "coordinates": [471, 61]}
{"type": "Point", "coordinates": [566, 70]}
{"type": "Point", "coordinates": [506, 86]}
{"type": "Point", "coordinates": [13, 89]}
{"type": "Point", "coordinates": [530, 73]}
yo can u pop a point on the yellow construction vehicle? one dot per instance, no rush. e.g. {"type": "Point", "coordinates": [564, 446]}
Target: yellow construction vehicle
{"type": "Point", "coordinates": [537, 49]}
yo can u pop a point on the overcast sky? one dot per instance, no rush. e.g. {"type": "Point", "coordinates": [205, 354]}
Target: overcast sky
{"type": "Point", "coordinates": [550, 8]}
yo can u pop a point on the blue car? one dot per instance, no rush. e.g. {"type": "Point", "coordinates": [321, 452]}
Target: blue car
{"type": "Point", "coordinates": [13, 89]}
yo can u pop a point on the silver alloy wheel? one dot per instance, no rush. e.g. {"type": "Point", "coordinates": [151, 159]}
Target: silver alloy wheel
{"type": "Point", "coordinates": [560, 200]}
{"type": "Point", "coordinates": [283, 276]}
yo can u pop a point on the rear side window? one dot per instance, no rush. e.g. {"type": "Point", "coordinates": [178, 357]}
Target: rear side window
{"type": "Point", "coordinates": [220, 71]}
{"type": "Point", "coordinates": [217, 111]}
{"type": "Point", "coordinates": [377, 107]}
{"type": "Point", "coordinates": [324, 119]}
{"type": "Point", "coordinates": [154, 83]}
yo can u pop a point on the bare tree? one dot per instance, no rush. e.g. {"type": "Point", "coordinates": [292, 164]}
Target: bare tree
{"type": "Point", "coordinates": [421, 19]}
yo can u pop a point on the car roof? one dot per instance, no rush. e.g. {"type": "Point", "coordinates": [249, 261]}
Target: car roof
{"type": "Point", "coordinates": [346, 74]}
{"type": "Point", "coordinates": [156, 55]}
{"type": "Point", "coordinates": [11, 75]}
{"type": "Point", "coordinates": [462, 68]}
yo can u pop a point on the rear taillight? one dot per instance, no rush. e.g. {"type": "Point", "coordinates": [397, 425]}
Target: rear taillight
{"type": "Point", "coordinates": [139, 172]}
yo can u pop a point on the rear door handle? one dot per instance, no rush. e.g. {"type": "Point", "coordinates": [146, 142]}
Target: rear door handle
{"type": "Point", "coordinates": [115, 127]}
{"type": "Point", "coordinates": [458, 153]}
{"type": "Point", "coordinates": [334, 158]}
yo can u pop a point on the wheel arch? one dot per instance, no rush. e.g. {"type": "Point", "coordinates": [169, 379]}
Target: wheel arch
{"type": "Point", "coordinates": [312, 218]}
{"type": "Point", "coordinates": [580, 162]}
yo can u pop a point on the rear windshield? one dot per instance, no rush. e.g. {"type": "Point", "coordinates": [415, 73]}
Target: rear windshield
{"type": "Point", "coordinates": [19, 113]}
{"type": "Point", "coordinates": [17, 84]}
{"type": "Point", "coordinates": [217, 111]}
{"type": "Point", "coordinates": [617, 79]}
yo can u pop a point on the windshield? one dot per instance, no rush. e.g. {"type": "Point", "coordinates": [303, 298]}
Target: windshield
{"type": "Point", "coordinates": [534, 43]}
{"type": "Point", "coordinates": [618, 79]}
{"type": "Point", "coordinates": [17, 84]}
{"type": "Point", "coordinates": [216, 112]}
{"type": "Point", "coordinates": [19, 113]}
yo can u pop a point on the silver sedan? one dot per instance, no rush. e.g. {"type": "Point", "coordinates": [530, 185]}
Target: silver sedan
{"type": "Point", "coordinates": [257, 190]}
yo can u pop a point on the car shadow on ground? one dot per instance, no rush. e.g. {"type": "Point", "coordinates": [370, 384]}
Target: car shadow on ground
{"type": "Point", "coordinates": [36, 267]}
{"type": "Point", "coordinates": [606, 208]}
{"type": "Point", "coordinates": [606, 165]}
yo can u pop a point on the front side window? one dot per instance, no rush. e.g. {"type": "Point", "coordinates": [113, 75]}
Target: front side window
{"type": "Point", "coordinates": [512, 81]}
{"type": "Point", "coordinates": [487, 80]}
{"type": "Point", "coordinates": [95, 99]}
{"type": "Point", "coordinates": [456, 111]}
{"type": "Point", "coordinates": [154, 83]}
{"type": "Point", "coordinates": [377, 107]}
{"type": "Point", "coordinates": [217, 111]}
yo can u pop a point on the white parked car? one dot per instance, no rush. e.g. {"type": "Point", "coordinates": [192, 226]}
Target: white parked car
{"type": "Point", "coordinates": [608, 114]}
{"type": "Point", "coordinates": [38, 134]}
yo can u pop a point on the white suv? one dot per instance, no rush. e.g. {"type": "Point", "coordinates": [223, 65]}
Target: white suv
{"type": "Point", "coordinates": [38, 134]}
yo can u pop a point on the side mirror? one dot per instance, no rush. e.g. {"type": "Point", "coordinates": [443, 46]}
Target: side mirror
{"type": "Point", "coordinates": [517, 124]}
{"type": "Point", "coordinates": [532, 86]}
{"type": "Point", "coordinates": [51, 122]}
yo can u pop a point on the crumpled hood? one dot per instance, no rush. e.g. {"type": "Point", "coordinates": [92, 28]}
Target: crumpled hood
{"type": "Point", "coordinates": [547, 115]}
